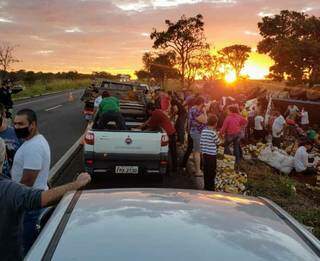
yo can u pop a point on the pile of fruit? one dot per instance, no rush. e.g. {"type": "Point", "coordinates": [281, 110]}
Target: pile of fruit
{"type": "Point", "coordinates": [253, 151]}
{"type": "Point", "coordinates": [227, 178]}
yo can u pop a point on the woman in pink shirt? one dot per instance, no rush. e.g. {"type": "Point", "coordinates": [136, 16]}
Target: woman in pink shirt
{"type": "Point", "coordinates": [231, 129]}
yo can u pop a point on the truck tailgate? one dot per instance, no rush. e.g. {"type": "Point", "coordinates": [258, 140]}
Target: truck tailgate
{"type": "Point", "coordinates": [132, 142]}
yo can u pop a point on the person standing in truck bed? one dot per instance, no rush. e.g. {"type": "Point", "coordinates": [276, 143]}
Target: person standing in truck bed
{"type": "Point", "coordinates": [159, 120]}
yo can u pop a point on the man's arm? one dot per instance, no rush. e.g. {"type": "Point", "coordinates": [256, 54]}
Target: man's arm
{"type": "Point", "coordinates": [29, 177]}
{"type": "Point", "coordinates": [144, 125]}
{"type": "Point", "coordinates": [51, 196]}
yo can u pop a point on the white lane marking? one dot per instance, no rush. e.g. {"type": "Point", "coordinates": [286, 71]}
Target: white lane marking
{"type": "Point", "coordinates": [55, 107]}
{"type": "Point", "coordinates": [46, 99]}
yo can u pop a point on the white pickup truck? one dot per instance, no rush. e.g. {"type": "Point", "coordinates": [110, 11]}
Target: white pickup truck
{"type": "Point", "coordinates": [110, 151]}
{"type": "Point", "coordinates": [125, 152]}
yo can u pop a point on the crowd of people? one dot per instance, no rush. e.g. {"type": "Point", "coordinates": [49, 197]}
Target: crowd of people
{"type": "Point", "coordinates": [207, 124]}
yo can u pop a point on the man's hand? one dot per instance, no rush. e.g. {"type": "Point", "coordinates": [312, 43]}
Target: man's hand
{"type": "Point", "coordinates": [83, 179]}
{"type": "Point", "coordinates": [51, 196]}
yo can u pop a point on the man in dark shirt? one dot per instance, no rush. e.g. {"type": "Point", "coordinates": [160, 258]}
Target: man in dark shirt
{"type": "Point", "coordinates": [181, 112]}
{"type": "Point", "coordinates": [15, 199]}
{"type": "Point", "coordinates": [159, 120]}
{"type": "Point", "coordinates": [5, 97]}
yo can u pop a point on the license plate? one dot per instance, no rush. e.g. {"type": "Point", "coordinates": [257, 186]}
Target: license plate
{"type": "Point", "coordinates": [88, 117]}
{"type": "Point", "coordinates": [127, 170]}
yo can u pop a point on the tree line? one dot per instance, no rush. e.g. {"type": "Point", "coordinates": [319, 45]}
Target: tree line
{"type": "Point", "coordinates": [7, 59]}
{"type": "Point", "coordinates": [291, 39]}
{"type": "Point", "coordinates": [181, 51]}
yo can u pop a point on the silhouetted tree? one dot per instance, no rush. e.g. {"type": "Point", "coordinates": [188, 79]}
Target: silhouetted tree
{"type": "Point", "coordinates": [7, 57]}
{"type": "Point", "coordinates": [236, 56]}
{"type": "Point", "coordinates": [292, 40]}
{"type": "Point", "coordinates": [185, 38]}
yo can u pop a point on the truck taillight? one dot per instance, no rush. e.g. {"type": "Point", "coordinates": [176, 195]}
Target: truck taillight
{"type": "Point", "coordinates": [164, 140]}
{"type": "Point", "coordinates": [89, 162]}
{"type": "Point", "coordinates": [89, 138]}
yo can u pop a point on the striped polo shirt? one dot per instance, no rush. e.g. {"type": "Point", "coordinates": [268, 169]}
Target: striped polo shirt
{"type": "Point", "coordinates": [209, 142]}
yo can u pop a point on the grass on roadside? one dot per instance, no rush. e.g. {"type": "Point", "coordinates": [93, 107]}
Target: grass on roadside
{"type": "Point", "coordinates": [299, 200]}
{"type": "Point", "coordinates": [40, 88]}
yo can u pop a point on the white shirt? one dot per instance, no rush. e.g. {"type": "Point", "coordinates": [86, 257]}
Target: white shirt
{"type": "Point", "coordinates": [301, 159]}
{"type": "Point", "coordinates": [97, 101]}
{"type": "Point", "coordinates": [33, 154]}
{"type": "Point", "coordinates": [258, 122]}
{"type": "Point", "coordinates": [277, 126]}
{"type": "Point", "coordinates": [304, 117]}
{"type": "Point", "coordinates": [293, 109]}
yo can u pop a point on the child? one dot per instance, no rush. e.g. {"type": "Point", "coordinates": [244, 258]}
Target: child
{"type": "Point", "coordinates": [209, 141]}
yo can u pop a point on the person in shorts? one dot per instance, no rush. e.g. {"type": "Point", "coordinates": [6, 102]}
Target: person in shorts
{"type": "Point", "coordinates": [197, 122]}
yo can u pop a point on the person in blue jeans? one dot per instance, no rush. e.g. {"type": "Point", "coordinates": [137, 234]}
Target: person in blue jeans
{"type": "Point", "coordinates": [231, 128]}
{"type": "Point", "coordinates": [197, 122]}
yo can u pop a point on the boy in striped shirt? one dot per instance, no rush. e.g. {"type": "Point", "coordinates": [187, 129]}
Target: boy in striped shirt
{"type": "Point", "coordinates": [209, 144]}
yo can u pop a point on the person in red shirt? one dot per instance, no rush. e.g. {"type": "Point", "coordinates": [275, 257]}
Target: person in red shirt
{"type": "Point", "coordinates": [159, 120]}
{"type": "Point", "coordinates": [231, 129]}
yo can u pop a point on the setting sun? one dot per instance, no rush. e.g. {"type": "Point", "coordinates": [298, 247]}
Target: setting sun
{"type": "Point", "coordinates": [230, 77]}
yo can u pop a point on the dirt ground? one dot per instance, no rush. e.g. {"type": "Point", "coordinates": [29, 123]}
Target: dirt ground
{"type": "Point", "coordinates": [301, 200]}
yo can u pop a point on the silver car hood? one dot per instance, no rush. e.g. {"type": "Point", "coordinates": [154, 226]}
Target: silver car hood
{"type": "Point", "coordinates": [168, 224]}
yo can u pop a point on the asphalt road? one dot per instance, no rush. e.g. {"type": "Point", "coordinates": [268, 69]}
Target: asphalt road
{"type": "Point", "coordinates": [182, 179]}
{"type": "Point", "coordinates": [60, 120]}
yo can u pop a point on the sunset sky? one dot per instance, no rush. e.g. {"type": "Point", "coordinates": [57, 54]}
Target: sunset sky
{"type": "Point", "coordinates": [112, 35]}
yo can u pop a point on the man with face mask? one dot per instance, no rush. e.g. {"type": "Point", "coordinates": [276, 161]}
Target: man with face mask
{"type": "Point", "coordinates": [31, 166]}
{"type": "Point", "coordinates": [9, 136]}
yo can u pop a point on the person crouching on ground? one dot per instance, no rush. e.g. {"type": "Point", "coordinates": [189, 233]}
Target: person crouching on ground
{"type": "Point", "coordinates": [301, 159]}
{"type": "Point", "coordinates": [109, 110]}
{"type": "Point", "coordinates": [209, 144]}
{"type": "Point", "coordinates": [159, 120]}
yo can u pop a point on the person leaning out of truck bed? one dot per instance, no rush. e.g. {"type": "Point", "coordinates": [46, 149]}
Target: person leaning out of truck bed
{"type": "Point", "coordinates": [109, 110]}
{"type": "Point", "coordinates": [159, 120]}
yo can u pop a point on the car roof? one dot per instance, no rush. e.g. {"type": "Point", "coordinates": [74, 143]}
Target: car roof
{"type": "Point", "coordinates": [170, 224]}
